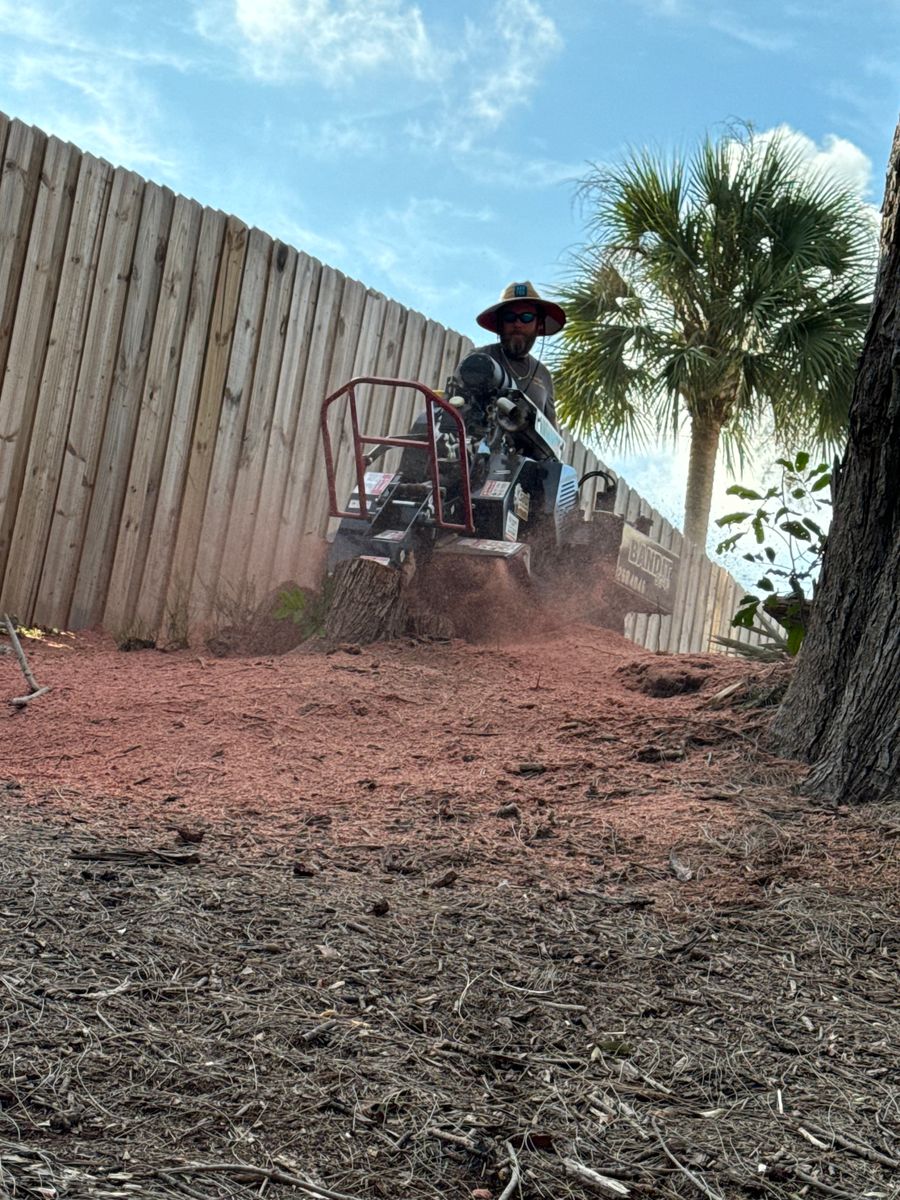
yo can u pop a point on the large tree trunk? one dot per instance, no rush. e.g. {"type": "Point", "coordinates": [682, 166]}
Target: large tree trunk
{"type": "Point", "coordinates": [842, 710]}
{"type": "Point", "coordinates": [705, 433]}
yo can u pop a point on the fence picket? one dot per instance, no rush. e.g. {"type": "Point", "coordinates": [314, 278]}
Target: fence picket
{"type": "Point", "coordinates": [314, 290]}
{"type": "Point", "coordinates": [202, 409]}
{"type": "Point", "coordinates": [58, 383]}
{"type": "Point", "coordinates": [364, 363]}
{"type": "Point", "coordinates": [120, 427]}
{"type": "Point", "coordinates": [23, 155]}
{"type": "Point", "coordinates": [29, 344]}
{"type": "Point", "coordinates": [250, 480]}
{"type": "Point", "coordinates": [290, 543]}
{"type": "Point", "coordinates": [308, 512]}
{"type": "Point", "coordinates": [91, 400]}
{"type": "Point", "coordinates": [208, 591]}
{"type": "Point", "coordinates": [153, 421]}
{"type": "Point", "coordinates": [203, 354]}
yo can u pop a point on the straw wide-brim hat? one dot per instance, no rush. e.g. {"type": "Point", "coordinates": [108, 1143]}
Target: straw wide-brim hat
{"type": "Point", "coordinates": [554, 316]}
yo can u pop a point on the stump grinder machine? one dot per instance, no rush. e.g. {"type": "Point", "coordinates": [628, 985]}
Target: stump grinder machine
{"type": "Point", "coordinates": [480, 476]}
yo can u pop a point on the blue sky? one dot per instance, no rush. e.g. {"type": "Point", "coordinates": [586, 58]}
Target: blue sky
{"type": "Point", "coordinates": [431, 149]}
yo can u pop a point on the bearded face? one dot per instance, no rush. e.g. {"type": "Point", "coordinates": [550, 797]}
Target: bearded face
{"type": "Point", "coordinates": [520, 324]}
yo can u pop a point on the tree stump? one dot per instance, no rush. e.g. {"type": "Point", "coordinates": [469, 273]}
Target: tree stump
{"type": "Point", "coordinates": [375, 602]}
{"type": "Point", "coordinates": [367, 602]}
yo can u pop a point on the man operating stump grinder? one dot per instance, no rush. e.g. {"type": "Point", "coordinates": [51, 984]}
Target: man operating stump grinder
{"type": "Point", "coordinates": [479, 520]}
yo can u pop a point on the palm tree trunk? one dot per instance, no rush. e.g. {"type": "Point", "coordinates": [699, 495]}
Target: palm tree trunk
{"type": "Point", "coordinates": [705, 431]}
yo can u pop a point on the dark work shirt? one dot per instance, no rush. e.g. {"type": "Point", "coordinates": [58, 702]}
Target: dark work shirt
{"type": "Point", "coordinates": [529, 375]}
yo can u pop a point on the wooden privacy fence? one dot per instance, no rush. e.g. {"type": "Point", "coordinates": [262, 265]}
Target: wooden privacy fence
{"type": "Point", "coordinates": [162, 370]}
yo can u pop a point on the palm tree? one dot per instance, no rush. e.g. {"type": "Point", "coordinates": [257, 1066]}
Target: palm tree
{"type": "Point", "coordinates": [731, 289]}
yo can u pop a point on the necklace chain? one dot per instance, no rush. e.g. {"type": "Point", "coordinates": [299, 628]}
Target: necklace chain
{"type": "Point", "coordinates": [516, 375]}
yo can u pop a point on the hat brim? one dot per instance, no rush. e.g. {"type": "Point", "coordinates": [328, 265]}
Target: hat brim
{"type": "Point", "coordinates": [554, 316]}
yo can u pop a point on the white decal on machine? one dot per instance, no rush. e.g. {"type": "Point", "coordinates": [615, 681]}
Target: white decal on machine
{"type": "Point", "coordinates": [494, 488]}
{"type": "Point", "coordinates": [545, 430]}
{"type": "Point", "coordinates": [521, 503]}
{"type": "Point", "coordinates": [376, 481]}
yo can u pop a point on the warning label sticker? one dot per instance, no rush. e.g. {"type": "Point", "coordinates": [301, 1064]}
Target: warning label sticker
{"type": "Point", "coordinates": [494, 488]}
{"type": "Point", "coordinates": [377, 481]}
{"type": "Point", "coordinates": [511, 532]}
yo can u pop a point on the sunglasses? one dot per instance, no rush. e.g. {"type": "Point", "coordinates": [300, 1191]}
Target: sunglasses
{"type": "Point", "coordinates": [525, 318]}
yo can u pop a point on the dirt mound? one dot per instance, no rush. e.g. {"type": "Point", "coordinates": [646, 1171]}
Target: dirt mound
{"type": "Point", "coordinates": [669, 675]}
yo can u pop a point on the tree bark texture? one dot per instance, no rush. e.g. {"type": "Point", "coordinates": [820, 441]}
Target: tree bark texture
{"type": "Point", "coordinates": [367, 604]}
{"type": "Point", "coordinates": [374, 602]}
{"type": "Point", "coordinates": [705, 432]}
{"type": "Point", "coordinates": [842, 710]}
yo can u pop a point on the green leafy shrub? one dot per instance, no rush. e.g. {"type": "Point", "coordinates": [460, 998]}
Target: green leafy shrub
{"type": "Point", "coordinates": [789, 543]}
{"type": "Point", "coordinates": [306, 609]}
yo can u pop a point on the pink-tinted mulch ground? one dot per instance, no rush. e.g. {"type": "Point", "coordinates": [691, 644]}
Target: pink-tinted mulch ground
{"type": "Point", "coordinates": [566, 760]}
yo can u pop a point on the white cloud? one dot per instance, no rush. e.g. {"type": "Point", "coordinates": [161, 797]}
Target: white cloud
{"type": "Point", "coordinates": [836, 157]}
{"type": "Point", "coordinates": [491, 165]}
{"type": "Point", "coordinates": [423, 250]}
{"type": "Point", "coordinates": [464, 83]}
{"type": "Point", "coordinates": [726, 19]}
{"type": "Point", "coordinates": [329, 250]}
{"type": "Point", "coordinates": [337, 138]}
{"type": "Point", "coordinates": [95, 102]}
{"type": "Point", "coordinates": [523, 41]}
{"type": "Point", "coordinates": [749, 35]}
{"type": "Point", "coordinates": [332, 41]}
{"type": "Point", "coordinates": [88, 89]}
{"type": "Point", "coordinates": [46, 26]}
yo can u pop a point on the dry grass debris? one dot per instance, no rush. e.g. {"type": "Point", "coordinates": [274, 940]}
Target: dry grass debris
{"type": "Point", "coordinates": [229, 1029]}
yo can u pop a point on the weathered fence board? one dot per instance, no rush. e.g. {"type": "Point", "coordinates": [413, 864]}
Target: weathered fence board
{"type": "Point", "coordinates": [58, 384]}
{"type": "Point", "coordinates": [301, 541]}
{"type": "Point", "coordinates": [23, 156]}
{"type": "Point", "coordinates": [150, 447]}
{"type": "Point", "coordinates": [207, 589]}
{"type": "Point", "coordinates": [328, 336]}
{"type": "Point", "coordinates": [364, 361]}
{"type": "Point", "coordinates": [92, 398]}
{"type": "Point", "coordinates": [313, 292]}
{"type": "Point", "coordinates": [249, 482]}
{"type": "Point", "coordinates": [29, 343]}
{"type": "Point", "coordinates": [111, 477]}
{"type": "Point", "coordinates": [165, 580]}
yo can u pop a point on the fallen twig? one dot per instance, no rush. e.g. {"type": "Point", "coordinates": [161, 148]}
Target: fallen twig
{"type": "Point", "coordinates": [851, 1144]}
{"type": "Point", "coordinates": [137, 858]}
{"type": "Point", "coordinates": [686, 1171]}
{"type": "Point", "coordinates": [181, 1185]}
{"type": "Point", "coordinates": [822, 1187]}
{"type": "Point", "coordinates": [455, 1139]}
{"type": "Point", "coordinates": [588, 1175]}
{"type": "Point", "coordinates": [513, 1181]}
{"type": "Point", "coordinates": [271, 1174]}
{"type": "Point", "coordinates": [34, 688]}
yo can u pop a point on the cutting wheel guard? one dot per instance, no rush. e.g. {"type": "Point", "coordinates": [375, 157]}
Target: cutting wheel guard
{"type": "Point", "coordinates": [360, 440]}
